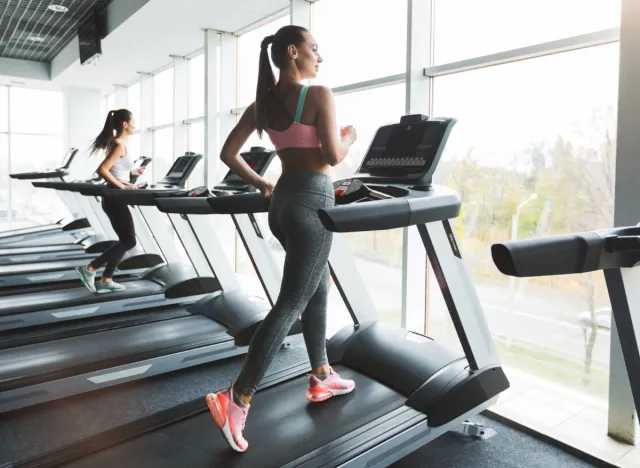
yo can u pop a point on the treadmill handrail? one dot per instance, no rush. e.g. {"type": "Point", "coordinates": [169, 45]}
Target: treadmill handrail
{"type": "Point", "coordinates": [185, 205]}
{"type": "Point", "coordinates": [39, 175]}
{"type": "Point", "coordinates": [85, 188]}
{"type": "Point", "coordinates": [368, 216]}
{"type": "Point", "coordinates": [141, 197]}
{"type": "Point", "coordinates": [240, 204]}
{"type": "Point", "coordinates": [563, 254]}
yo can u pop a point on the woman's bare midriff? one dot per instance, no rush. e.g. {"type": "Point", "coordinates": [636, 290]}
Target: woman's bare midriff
{"type": "Point", "coordinates": [303, 160]}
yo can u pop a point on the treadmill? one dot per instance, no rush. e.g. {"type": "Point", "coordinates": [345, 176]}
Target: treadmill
{"type": "Point", "coordinates": [66, 230]}
{"type": "Point", "coordinates": [166, 283]}
{"type": "Point", "coordinates": [410, 389]}
{"type": "Point", "coordinates": [170, 337]}
{"type": "Point", "coordinates": [615, 251]}
{"type": "Point", "coordinates": [86, 248]}
{"type": "Point", "coordinates": [55, 275]}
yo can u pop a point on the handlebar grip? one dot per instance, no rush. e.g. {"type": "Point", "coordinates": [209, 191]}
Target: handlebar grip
{"type": "Point", "coordinates": [184, 205]}
{"type": "Point", "coordinates": [388, 214]}
{"type": "Point", "coordinates": [553, 255]}
{"type": "Point", "coordinates": [239, 204]}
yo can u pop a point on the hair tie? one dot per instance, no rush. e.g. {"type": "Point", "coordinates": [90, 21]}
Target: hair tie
{"type": "Point", "coordinates": [266, 41]}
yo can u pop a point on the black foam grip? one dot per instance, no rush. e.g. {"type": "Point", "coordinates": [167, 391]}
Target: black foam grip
{"type": "Point", "coordinates": [554, 255]}
{"type": "Point", "coordinates": [37, 175]}
{"type": "Point", "coordinates": [184, 205]}
{"type": "Point", "coordinates": [134, 197]}
{"type": "Point", "coordinates": [367, 216]}
{"type": "Point", "coordinates": [51, 185]}
{"type": "Point", "coordinates": [237, 204]}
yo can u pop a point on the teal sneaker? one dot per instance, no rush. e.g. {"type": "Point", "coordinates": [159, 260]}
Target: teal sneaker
{"type": "Point", "coordinates": [109, 286]}
{"type": "Point", "coordinates": [88, 278]}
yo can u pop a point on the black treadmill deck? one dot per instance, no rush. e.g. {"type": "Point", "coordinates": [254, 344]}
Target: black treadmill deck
{"type": "Point", "coordinates": [282, 427]}
{"type": "Point", "coordinates": [79, 296]}
{"type": "Point", "coordinates": [28, 365]}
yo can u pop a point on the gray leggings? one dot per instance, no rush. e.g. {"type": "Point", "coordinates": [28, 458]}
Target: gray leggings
{"type": "Point", "coordinates": [294, 221]}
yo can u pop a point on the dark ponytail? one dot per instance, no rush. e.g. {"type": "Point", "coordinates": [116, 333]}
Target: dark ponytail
{"type": "Point", "coordinates": [112, 126]}
{"type": "Point", "coordinates": [266, 89]}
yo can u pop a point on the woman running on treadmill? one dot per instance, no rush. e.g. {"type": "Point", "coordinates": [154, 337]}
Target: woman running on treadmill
{"type": "Point", "coordinates": [116, 169]}
{"type": "Point", "coordinates": [301, 123]}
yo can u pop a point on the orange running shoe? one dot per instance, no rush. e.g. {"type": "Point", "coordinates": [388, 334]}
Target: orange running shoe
{"type": "Point", "coordinates": [229, 417]}
{"type": "Point", "coordinates": [321, 390]}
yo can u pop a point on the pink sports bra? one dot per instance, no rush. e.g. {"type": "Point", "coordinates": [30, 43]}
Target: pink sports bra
{"type": "Point", "coordinates": [298, 135]}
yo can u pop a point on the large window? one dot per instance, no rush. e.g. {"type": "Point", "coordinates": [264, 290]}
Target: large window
{"type": "Point", "coordinates": [196, 86]}
{"type": "Point", "coordinates": [163, 97]}
{"type": "Point", "coordinates": [471, 28]}
{"type": "Point", "coordinates": [358, 41]}
{"type": "Point", "coordinates": [4, 123]}
{"type": "Point", "coordinates": [133, 101]}
{"type": "Point", "coordinates": [533, 154]}
{"type": "Point", "coordinates": [34, 205]}
{"type": "Point", "coordinates": [378, 254]}
{"type": "Point", "coordinates": [34, 143]}
{"type": "Point", "coordinates": [248, 55]}
{"type": "Point", "coordinates": [196, 144]}
{"type": "Point", "coordinates": [162, 152]}
{"type": "Point", "coordinates": [36, 111]}
{"type": "Point", "coordinates": [4, 182]}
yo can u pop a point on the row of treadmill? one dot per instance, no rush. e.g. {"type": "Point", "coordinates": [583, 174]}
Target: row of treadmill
{"type": "Point", "coordinates": [184, 306]}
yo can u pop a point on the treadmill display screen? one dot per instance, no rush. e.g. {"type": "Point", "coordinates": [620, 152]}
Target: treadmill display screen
{"type": "Point", "coordinates": [179, 168]}
{"type": "Point", "coordinates": [399, 147]}
{"type": "Point", "coordinates": [257, 161]}
{"type": "Point", "coordinates": [67, 158]}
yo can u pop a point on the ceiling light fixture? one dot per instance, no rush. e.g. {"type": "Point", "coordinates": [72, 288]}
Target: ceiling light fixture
{"type": "Point", "coordinates": [58, 8]}
{"type": "Point", "coordinates": [35, 38]}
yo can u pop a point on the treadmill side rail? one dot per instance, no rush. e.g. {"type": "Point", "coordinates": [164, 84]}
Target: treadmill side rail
{"type": "Point", "coordinates": [180, 280]}
{"type": "Point", "coordinates": [391, 355]}
{"type": "Point", "coordinates": [240, 312]}
{"type": "Point", "coordinates": [456, 390]}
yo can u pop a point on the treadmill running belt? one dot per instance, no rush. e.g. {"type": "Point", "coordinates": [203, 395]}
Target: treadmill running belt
{"type": "Point", "coordinates": [282, 426]}
{"type": "Point", "coordinates": [40, 267]}
{"type": "Point", "coordinates": [61, 358]}
{"type": "Point", "coordinates": [57, 331]}
{"type": "Point", "coordinates": [80, 296]}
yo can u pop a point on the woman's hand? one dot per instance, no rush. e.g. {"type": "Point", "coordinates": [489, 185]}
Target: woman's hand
{"type": "Point", "coordinates": [139, 171]}
{"type": "Point", "coordinates": [265, 187]}
{"type": "Point", "coordinates": [348, 134]}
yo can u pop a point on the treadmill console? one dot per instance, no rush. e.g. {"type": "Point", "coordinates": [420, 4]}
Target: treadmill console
{"type": "Point", "coordinates": [258, 159]}
{"type": "Point", "coordinates": [180, 171]}
{"type": "Point", "coordinates": [68, 158]}
{"type": "Point", "coordinates": [409, 150]}
{"type": "Point", "coordinates": [142, 161]}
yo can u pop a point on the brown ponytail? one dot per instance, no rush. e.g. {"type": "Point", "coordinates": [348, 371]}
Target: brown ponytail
{"type": "Point", "coordinates": [265, 94]}
{"type": "Point", "coordinates": [112, 126]}
{"type": "Point", "coordinates": [266, 89]}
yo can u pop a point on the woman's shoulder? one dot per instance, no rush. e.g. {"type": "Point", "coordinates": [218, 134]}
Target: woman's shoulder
{"type": "Point", "coordinates": [119, 145]}
{"type": "Point", "coordinates": [319, 93]}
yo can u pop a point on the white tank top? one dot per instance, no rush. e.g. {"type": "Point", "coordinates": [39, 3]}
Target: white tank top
{"type": "Point", "coordinates": [121, 169]}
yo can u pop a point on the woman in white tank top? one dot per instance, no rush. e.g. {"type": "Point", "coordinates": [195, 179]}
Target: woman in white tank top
{"type": "Point", "coordinates": [116, 169]}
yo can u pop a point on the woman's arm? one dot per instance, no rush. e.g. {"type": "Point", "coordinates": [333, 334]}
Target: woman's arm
{"type": "Point", "coordinates": [334, 147]}
{"type": "Point", "coordinates": [103, 169]}
{"type": "Point", "coordinates": [230, 154]}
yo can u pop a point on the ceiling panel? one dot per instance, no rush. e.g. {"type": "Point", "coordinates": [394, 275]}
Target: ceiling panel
{"type": "Point", "coordinates": [31, 30]}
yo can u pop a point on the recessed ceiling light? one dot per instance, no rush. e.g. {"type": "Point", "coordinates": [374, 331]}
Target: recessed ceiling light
{"type": "Point", "coordinates": [58, 8]}
{"type": "Point", "coordinates": [35, 38]}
